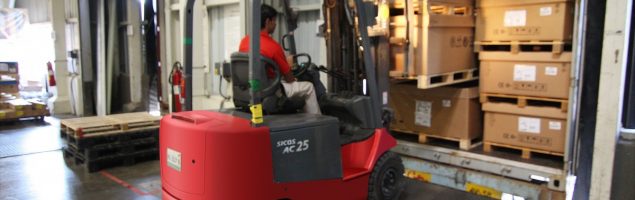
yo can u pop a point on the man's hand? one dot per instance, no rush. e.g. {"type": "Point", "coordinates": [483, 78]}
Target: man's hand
{"type": "Point", "coordinates": [289, 78]}
{"type": "Point", "coordinates": [290, 60]}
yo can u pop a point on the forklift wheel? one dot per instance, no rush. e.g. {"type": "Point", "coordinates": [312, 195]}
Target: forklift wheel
{"type": "Point", "coordinates": [386, 180]}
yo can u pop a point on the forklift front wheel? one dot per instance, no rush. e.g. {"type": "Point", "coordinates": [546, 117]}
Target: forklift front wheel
{"type": "Point", "coordinates": [386, 180]}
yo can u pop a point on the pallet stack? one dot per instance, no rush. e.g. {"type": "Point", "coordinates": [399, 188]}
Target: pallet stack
{"type": "Point", "coordinates": [15, 109]}
{"type": "Point", "coordinates": [431, 41]}
{"type": "Point", "coordinates": [97, 143]}
{"type": "Point", "coordinates": [437, 36]}
{"type": "Point", "coordinates": [525, 62]}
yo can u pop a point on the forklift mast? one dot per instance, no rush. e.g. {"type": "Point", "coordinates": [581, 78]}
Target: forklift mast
{"type": "Point", "coordinates": [364, 60]}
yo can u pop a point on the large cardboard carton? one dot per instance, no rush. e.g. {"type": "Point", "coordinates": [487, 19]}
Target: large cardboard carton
{"type": "Point", "coordinates": [8, 67]}
{"type": "Point", "coordinates": [524, 20]}
{"type": "Point", "coordinates": [9, 87]}
{"type": "Point", "coordinates": [440, 35]}
{"type": "Point", "coordinates": [452, 111]}
{"type": "Point", "coordinates": [6, 114]}
{"type": "Point", "coordinates": [540, 74]}
{"type": "Point", "coordinates": [540, 128]}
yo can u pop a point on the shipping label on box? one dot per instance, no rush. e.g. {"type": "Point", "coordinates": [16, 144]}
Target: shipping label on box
{"type": "Point", "coordinates": [423, 116]}
{"type": "Point", "coordinates": [514, 18]}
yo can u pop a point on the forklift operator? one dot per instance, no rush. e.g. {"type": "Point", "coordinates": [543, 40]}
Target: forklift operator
{"type": "Point", "coordinates": [271, 49]}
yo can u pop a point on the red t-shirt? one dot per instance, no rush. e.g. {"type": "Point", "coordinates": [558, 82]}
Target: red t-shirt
{"type": "Point", "coordinates": [268, 48]}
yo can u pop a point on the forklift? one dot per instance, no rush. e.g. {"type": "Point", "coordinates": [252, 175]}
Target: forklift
{"type": "Point", "coordinates": [265, 149]}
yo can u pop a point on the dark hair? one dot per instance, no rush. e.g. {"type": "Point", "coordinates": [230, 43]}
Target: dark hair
{"type": "Point", "coordinates": [266, 12]}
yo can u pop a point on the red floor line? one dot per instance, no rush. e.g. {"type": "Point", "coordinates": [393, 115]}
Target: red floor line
{"type": "Point", "coordinates": [123, 183]}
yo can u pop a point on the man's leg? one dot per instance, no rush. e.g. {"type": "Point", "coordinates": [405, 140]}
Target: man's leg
{"type": "Point", "coordinates": [320, 90]}
{"type": "Point", "coordinates": [304, 90]}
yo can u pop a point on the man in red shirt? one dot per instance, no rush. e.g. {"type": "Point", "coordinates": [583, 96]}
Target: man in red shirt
{"type": "Point", "coordinates": [271, 49]}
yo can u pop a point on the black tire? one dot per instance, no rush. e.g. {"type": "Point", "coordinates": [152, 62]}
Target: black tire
{"type": "Point", "coordinates": [386, 181]}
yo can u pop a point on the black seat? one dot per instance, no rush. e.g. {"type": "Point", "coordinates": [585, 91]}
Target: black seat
{"type": "Point", "coordinates": [273, 98]}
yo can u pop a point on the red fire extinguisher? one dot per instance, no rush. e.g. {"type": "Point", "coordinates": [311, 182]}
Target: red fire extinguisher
{"type": "Point", "coordinates": [178, 87]}
{"type": "Point", "coordinates": [51, 74]}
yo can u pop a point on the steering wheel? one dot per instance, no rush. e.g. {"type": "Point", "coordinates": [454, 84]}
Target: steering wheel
{"type": "Point", "coordinates": [299, 69]}
{"type": "Point", "coordinates": [268, 63]}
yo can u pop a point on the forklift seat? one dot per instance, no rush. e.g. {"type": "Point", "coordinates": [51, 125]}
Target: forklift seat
{"type": "Point", "coordinates": [274, 99]}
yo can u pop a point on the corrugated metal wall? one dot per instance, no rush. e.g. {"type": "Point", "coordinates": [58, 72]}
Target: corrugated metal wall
{"type": "Point", "coordinates": [306, 35]}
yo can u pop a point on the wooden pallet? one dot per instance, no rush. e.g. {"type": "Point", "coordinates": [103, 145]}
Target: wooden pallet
{"type": "Point", "coordinates": [522, 101]}
{"type": "Point", "coordinates": [130, 135]}
{"type": "Point", "coordinates": [107, 125]}
{"type": "Point", "coordinates": [14, 116]}
{"type": "Point", "coordinates": [437, 80]}
{"type": "Point", "coordinates": [74, 158]}
{"type": "Point", "coordinates": [526, 152]}
{"type": "Point", "coordinates": [464, 143]}
{"type": "Point", "coordinates": [77, 127]}
{"type": "Point", "coordinates": [555, 47]}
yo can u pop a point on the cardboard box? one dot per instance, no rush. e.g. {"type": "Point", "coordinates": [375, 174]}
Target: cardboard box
{"type": "Point", "coordinates": [526, 74]}
{"type": "Point", "coordinates": [524, 20]}
{"type": "Point", "coordinates": [8, 67]}
{"type": "Point", "coordinates": [452, 112]}
{"type": "Point", "coordinates": [441, 36]}
{"type": "Point", "coordinates": [9, 87]}
{"type": "Point", "coordinates": [7, 114]}
{"type": "Point", "coordinates": [540, 128]}
{"type": "Point", "coordinates": [20, 104]}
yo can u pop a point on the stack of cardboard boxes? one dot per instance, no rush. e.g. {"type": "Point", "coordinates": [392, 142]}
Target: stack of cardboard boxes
{"type": "Point", "coordinates": [438, 34]}
{"type": "Point", "coordinates": [431, 40]}
{"type": "Point", "coordinates": [11, 106]}
{"type": "Point", "coordinates": [525, 73]}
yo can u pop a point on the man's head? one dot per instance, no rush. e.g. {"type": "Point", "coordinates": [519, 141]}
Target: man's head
{"type": "Point", "coordinates": [268, 18]}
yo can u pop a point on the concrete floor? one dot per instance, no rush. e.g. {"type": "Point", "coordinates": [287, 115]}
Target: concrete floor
{"type": "Point", "coordinates": [32, 167]}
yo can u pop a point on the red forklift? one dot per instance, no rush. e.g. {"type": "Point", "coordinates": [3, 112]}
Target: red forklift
{"type": "Point", "coordinates": [265, 149]}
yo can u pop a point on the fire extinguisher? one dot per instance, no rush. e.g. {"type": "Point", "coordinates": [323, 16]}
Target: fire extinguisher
{"type": "Point", "coordinates": [51, 74]}
{"type": "Point", "coordinates": [177, 82]}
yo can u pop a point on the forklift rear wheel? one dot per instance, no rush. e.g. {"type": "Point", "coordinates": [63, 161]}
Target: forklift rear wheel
{"type": "Point", "coordinates": [386, 180]}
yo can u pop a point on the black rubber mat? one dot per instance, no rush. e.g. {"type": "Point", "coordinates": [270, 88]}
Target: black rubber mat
{"type": "Point", "coordinates": [29, 137]}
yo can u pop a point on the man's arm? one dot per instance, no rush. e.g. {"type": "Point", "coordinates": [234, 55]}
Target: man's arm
{"type": "Point", "coordinates": [283, 63]}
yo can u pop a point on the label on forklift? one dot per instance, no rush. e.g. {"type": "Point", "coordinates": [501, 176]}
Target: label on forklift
{"type": "Point", "coordinates": [483, 191]}
{"type": "Point", "coordinates": [292, 146]}
{"type": "Point", "coordinates": [385, 98]}
{"type": "Point", "coordinates": [174, 159]}
{"type": "Point", "coordinates": [423, 112]}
